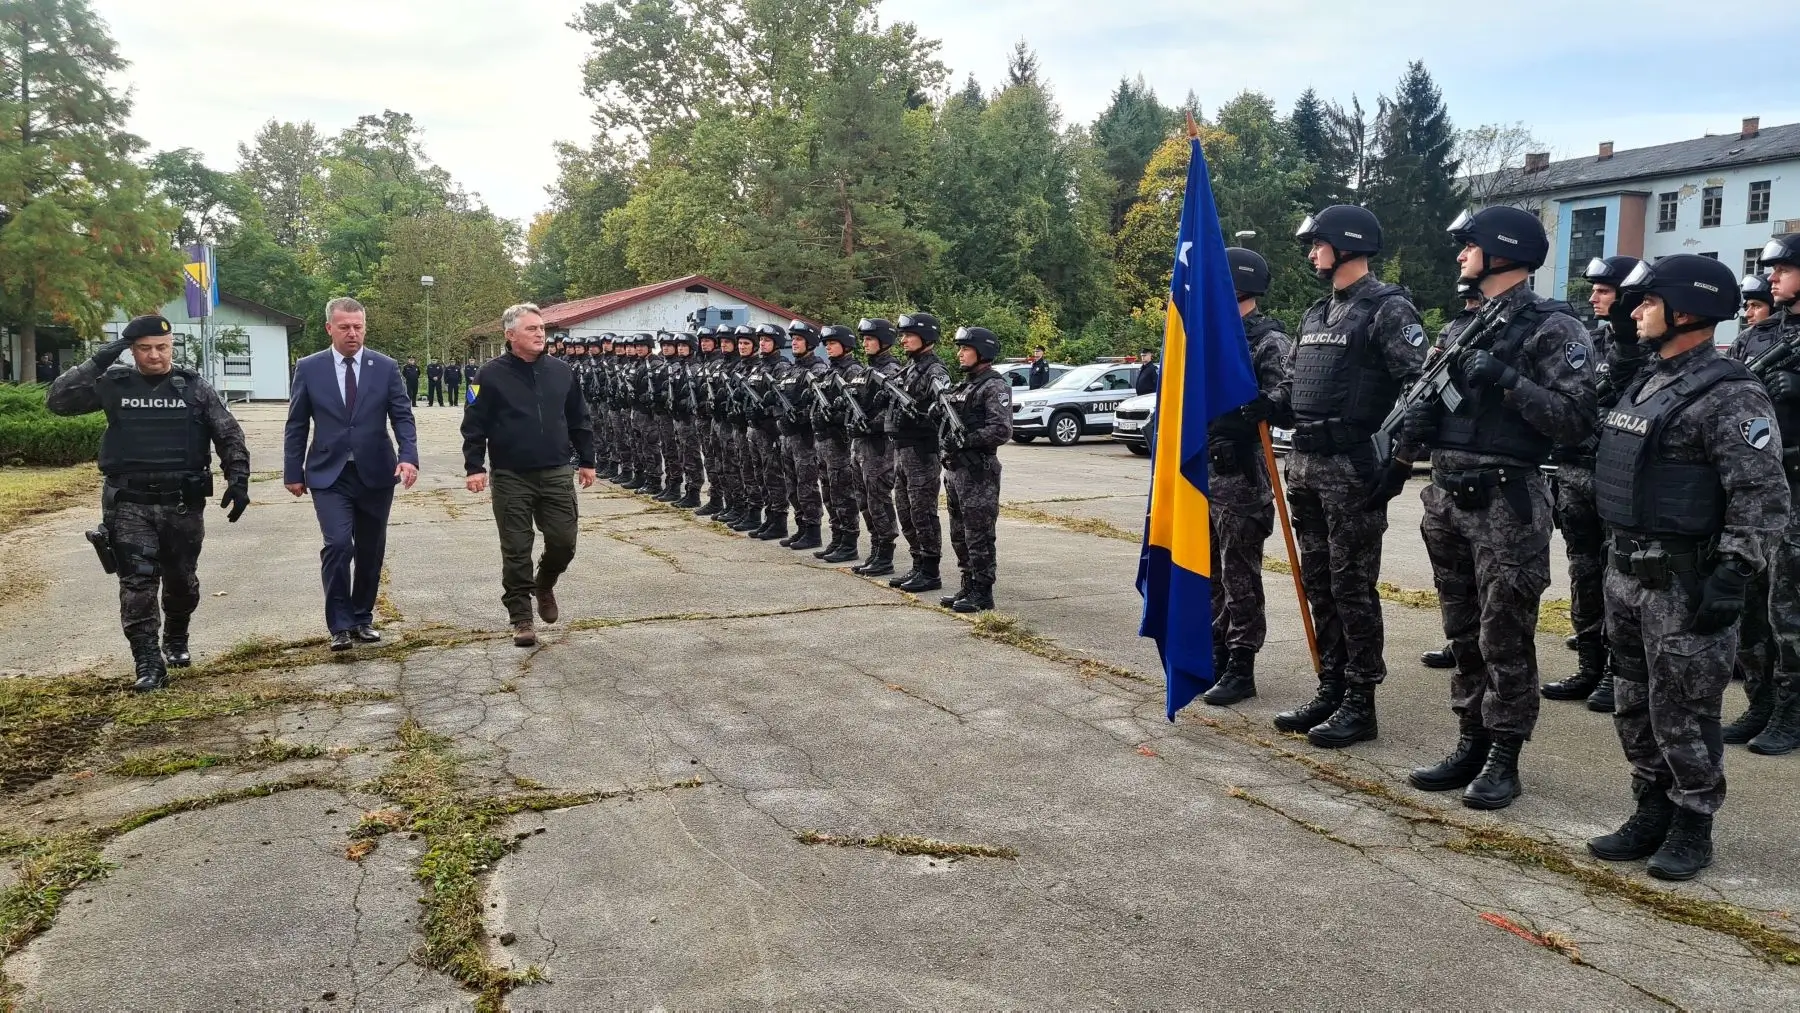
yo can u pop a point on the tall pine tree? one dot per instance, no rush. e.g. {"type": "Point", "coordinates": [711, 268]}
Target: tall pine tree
{"type": "Point", "coordinates": [80, 235]}
{"type": "Point", "coordinates": [1309, 127]}
{"type": "Point", "coordinates": [1128, 132]}
{"type": "Point", "coordinates": [1413, 188]}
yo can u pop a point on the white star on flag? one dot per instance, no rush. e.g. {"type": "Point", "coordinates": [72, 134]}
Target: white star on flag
{"type": "Point", "coordinates": [1182, 256]}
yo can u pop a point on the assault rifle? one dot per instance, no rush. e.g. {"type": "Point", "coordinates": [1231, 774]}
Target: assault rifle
{"type": "Point", "coordinates": [952, 431]}
{"type": "Point", "coordinates": [900, 398]}
{"type": "Point", "coordinates": [1438, 382]}
{"type": "Point", "coordinates": [1777, 357]}
{"type": "Point", "coordinates": [856, 421]}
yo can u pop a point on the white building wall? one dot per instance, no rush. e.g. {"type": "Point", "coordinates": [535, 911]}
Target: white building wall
{"type": "Point", "coordinates": [666, 312]}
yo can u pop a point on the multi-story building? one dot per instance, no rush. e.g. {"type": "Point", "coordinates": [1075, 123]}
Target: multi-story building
{"type": "Point", "coordinates": [1719, 196]}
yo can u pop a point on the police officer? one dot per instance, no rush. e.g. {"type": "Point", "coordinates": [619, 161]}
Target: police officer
{"type": "Point", "coordinates": [764, 434]}
{"type": "Point", "coordinates": [975, 422]}
{"type": "Point", "coordinates": [918, 468]}
{"type": "Point", "coordinates": [873, 451]}
{"type": "Point", "coordinates": [1772, 349]}
{"type": "Point", "coordinates": [1240, 496]}
{"type": "Point", "coordinates": [155, 454]}
{"type": "Point", "coordinates": [1358, 348]}
{"type": "Point", "coordinates": [1759, 301]}
{"type": "Point", "coordinates": [1689, 479]}
{"type": "Point", "coordinates": [704, 377]}
{"type": "Point", "coordinates": [689, 422]}
{"type": "Point", "coordinates": [434, 383]}
{"type": "Point", "coordinates": [843, 421]}
{"type": "Point", "coordinates": [747, 433]}
{"type": "Point", "coordinates": [410, 374]}
{"type": "Point", "coordinates": [453, 378]}
{"type": "Point", "coordinates": [1471, 304]}
{"type": "Point", "coordinates": [1528, 379]}
{"type": "Point", "coordinates": [799, 441]}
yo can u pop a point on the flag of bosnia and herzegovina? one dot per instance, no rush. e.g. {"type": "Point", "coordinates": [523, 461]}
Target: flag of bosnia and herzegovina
{"type": "Point", "coordinates": [1205, 373]}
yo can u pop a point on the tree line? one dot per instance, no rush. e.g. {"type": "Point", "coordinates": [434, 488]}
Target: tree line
{"type": "Point", "coordinates": [800, 149]}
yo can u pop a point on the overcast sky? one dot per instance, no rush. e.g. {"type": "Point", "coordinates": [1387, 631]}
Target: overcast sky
{"type": "Point", "coordinates": [495, 82]}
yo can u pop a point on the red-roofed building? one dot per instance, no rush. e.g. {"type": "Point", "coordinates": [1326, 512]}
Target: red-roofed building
{"type": "Point", "coordinates": [664, 305]}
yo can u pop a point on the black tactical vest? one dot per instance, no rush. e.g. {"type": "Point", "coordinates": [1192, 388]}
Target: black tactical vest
{"type": "Point", "coordinates": [1752, 343]}
{"type": "Point", "coordinates": [153, 424]}
{"type": "Point", "coordinates": [1339, 372]}
{"type": "Point", "coordinates": [1487, 424]}
{"type": "Point", "coordinates": [1231, 427]}
{"type": "Point", "coordinates": [1634, 487]}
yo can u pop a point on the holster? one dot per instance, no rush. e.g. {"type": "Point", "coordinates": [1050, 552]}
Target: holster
{"type": "Point", "coordinates": [1228, 457]}
{"type": "Point", "coordinates": [101, 539]}
{"type": "Point", "coordinates": [1654, 562]}
{"type": "Point", "coordinates": [1474, 490]}
{"type": "Point", "coordinates": [1329, 436]}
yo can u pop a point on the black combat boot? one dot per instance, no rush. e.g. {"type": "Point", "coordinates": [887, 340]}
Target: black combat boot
{"type": "Point", "coordinates": [926, 579]}
{"type": "Point", "coordinates": [1573, 643]}
{"type": "Point", "coordinates": [1316, 710]}
{"type": "Point", "coordinates": [880, 562]}
{"type": "Point", "coordinates": [1643, 833]}
{"type": "Point", "coordinates": [1751, 723]}
{"type": "Point", "coordinates": [175, 641]}
{"type": "Point", "coordinates": [807, 537]}
{"type": "Point", "coordinates": [1600, 701]}
{"type": "Point", "coordinates": [1782, 734]}
{"type": "Point", "coordinates": [147, 659]}
{"type": "Point", "coordinates": [979, 599]}
{"type": "Point", "coordinates": [652, 487]}
{"type": "Point", "coordinates": [1498, 783]}
{"type": "Point", "coordinates": [836, 543]}
{"type": "Point", "coordinates": [1352, 722]}
{"type": "Point", "coordinates": [750, 520]}
{"type": "Point", "coordinates": [1589, 669]}
{"type": "Point", "coordinates": [1687, 849]}
{"type": "Point", "coordinates": [775, 528]}
{"type": "Point", "coordinates": [908, 575]}
{"type": "Point", "coordinates": [632, 480]}
{"type": "Point", "coordinates": [690, 500]}
{"type": "Point", "coordinates": [1238, 681]}
{"type": "Point", "coordinates": [671, 493]}
{"type": "Point", "coordinates": [1442, 658]}
{"type": "Point", "coordinates": [1463, 763]}
{"type": "Point", "coordinates": [962, 591]}
{"type": "Point", "coordinates": [715, 505]}
{"type": "Point", "coordinates": [845, 552]}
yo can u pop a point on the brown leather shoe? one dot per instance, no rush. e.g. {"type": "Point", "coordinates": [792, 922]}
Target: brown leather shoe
{"type": "Point", "coordinates": [546, 602]}
{"type": "Point", "coordinates": [523, 634]}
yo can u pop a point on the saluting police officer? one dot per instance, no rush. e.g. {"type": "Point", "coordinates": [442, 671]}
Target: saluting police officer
{"type": "Point", "coordinates": [982, 403]}
{"type": "Point", "coordinates": [1529, 386]}
{"type": "Point", "coordinates": [873, 451]}
{"type": "Point", "coordinates": [1689, 478]}
{"type": "Point", "coordinates": [155, 454]}
{"type": "Point", "coordinates": [1239, 493]}
{"type": "Point", "coordinates": [918, 467]}
{"type": "Point", "coordinates": [1359, 348]}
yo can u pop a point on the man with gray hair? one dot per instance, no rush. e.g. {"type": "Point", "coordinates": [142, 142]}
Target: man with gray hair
{"type": "Point", "coordinates": [529, 418]}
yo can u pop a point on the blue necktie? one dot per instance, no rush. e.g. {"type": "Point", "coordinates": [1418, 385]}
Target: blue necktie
{"type": "Point", "coordinates": [349, 385]}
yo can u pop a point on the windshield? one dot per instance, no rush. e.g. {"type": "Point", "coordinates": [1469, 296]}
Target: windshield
{"type": "Point", "coordinates": [1079, 377]}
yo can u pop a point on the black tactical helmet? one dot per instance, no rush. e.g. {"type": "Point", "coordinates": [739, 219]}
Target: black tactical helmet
{"type": "Point", "coordinates": [1610, 271]}
{"type": "Point", "coordinates": [1502, 231]}
{"type": "Point", "coordinates": [703, 333]}
{"type": "Point", "coordinates": [1755, 288]}
{"type": "Point", "coordinates": [922, 324]}
{"type": "Point", "coordinates": [1688, 283]}
{"type": "Point", "coordinates": [1249, 271]}
{"type": "Point", "coordinates": [647, 340]}
{"type": "Point", "coordinates": [775, 333]}
{"type": "Point", "coordinates": [802, 329]}
{"type": "Point", "coordinates": [1781, 250]}
{"type": "Point", "coordinates": [684, 339]}
{"type": "Point", "coordinates": [744, 332]}
{"type": "Point", "coordinates": [838, 333]}
{"type": "Point", "coordinates": [987, 347]}
{"type": "Point", "coordinates": [878, 329]}
{"type": "Point", "coordinates": [606, 339]}
{"type": "Point", "coordinates": [1348, 228]}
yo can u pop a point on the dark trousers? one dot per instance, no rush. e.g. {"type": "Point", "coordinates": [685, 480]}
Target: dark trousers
{"type": "Point", "coordinates": [455, 393]}
{"type": "Point", "coordinates": [353, 516]}
{"type": "Point", "coordinates": [412, 391]}
{"type": "Point", "coordinates": [158, 549]}
{"type": "Point", "coordinates": [524, 499]}
{"type": "Point", "coordinates": [434, 392]}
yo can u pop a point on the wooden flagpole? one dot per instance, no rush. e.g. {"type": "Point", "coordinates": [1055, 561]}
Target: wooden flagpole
{"type": "Point", "coordinates": [1287, 534]}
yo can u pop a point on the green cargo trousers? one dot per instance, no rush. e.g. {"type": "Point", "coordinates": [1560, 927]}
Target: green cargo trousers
{"type": "Point", "coordinates": [522, 499]}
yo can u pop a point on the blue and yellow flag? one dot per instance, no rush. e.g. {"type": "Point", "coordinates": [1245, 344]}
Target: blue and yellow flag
{"type": "Point", "coordinates": [1205, 373]}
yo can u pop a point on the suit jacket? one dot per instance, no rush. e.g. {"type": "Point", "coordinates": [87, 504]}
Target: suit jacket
{"type": "Point", "coordinates": [381, 402]}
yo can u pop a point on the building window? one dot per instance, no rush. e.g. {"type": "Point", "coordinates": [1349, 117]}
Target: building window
{"type": "Point", "coordinates": [1587, 238]}
{"type": "Point", "coordinates": [1712, 206]}
{"type": "Point", "coordinates": [1751, 256]}
{"type": "Point", "coordinates": [237, 365]}
{"type": "Point", "coordinates": [1759, 203]}
{"type": "Point", "coordinates": [1666, 204]}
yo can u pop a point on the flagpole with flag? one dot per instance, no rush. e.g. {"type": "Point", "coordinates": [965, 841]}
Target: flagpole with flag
{"type": "Point", "coordinates": [1206, 373]}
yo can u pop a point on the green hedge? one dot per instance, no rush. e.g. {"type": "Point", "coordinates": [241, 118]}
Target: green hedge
{"type": "Point", "coordinates": [30, 435]}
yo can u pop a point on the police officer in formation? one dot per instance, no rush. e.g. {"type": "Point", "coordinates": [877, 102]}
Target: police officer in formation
{"type": "Point", "coordinates": [1359, 348]}
{"type": "Point", "coordinates": [841, 422]}
{"type": "Point", "coordinates": [1239, 494]}
{"type": "Point", "coordinates": [872, 451]}
{"type": "Point", "coordinates": [799, 451]}
{"type": "Point", "coordinates": [918, 464]}
{"type": "Point", "coordinates": [163, 424]}
{"type": "Point", "coordinates": [975, 420]}
{"type": "Point", "coordinates": [1524, 364]}
{"type": "Point", "coordinates": [1759, 300]}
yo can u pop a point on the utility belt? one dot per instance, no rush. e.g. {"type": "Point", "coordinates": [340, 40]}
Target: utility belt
{"type": "Point", "coordinates": [1230, 456]}
{"type": "Point", "coordinates": [970, 458]}
{"type": "Point", "coordinates": [1474, 489]}
{"type": "Point", "coordinates": [1575, 457]}
{"type": "Point", "coordinates": [1652, 561]}
{"type": "Point", "coordinates": [1331, 436]}
{"type": "Point", "coordinates": [189, 489]}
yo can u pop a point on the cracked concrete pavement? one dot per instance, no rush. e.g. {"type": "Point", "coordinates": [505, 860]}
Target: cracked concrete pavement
{"type": "Point", "coordinates": [1158, 865]}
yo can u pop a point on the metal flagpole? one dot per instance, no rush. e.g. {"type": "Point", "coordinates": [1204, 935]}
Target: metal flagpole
{"type": "Point", "coordinates": [1287, 534]}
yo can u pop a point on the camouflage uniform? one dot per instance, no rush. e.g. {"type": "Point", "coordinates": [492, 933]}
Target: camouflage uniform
{"type": "Point", "coordinates": [1241, 500]}
{"type": "Point", "coordinates": [917, 463]}
{"type": "Point", "coordinates": [972, 472]}
{"type": "Point", "coordinates": [689, 425]}
{"type": "Point", "coordinates": [663, 455]}
{"type": "Point", "coordinates": [1759, 656]}
{"type": "Point", "coordinates": [843, 485]}
{"type": "Point", "coordinates": [799, 450]}
{"type": "Point", "coordinates": [1671, 681]}
{"type": "Point", "coordinates": [1488, 510]}
{"type": "Point", "coordinates": [764, 434]}
{"type": "Point", "coordinates": [741, 453]}
{"type": "Point", "coordinates": [873, 452]}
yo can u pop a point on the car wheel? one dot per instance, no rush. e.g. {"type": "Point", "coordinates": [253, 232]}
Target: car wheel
{"type": "Point", "coordinates": [1140, 451]}
{"type": "Point", "coordinates": [1023, 439]}
{"type": "Point", "coordinates": [1065, 429]}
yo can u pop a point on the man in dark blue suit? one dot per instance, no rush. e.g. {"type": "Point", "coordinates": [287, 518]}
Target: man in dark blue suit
{"type": "Point", "coordinates": [350, 396]}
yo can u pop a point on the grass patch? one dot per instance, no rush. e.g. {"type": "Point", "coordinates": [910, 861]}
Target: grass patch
{"type": "Point", "coordinates": [1079, 525]}
{"type": "Point", "coordinates": [384, 606]}
{"type": "Point", "coordinates": [173, 761]}
{"type": "Point", "coordinates": [1553, 613]}
{"type": "Point", "coordinates": [28, 492]}
{"type": "Point", "coordinates": [909, 845]}
{"type": "Point", "coordinates": [1003, 628]}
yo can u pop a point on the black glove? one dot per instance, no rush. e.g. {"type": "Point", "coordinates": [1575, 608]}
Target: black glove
{"type": "Point", "coordinates": [1785, 386]}
{"type": "Point", "coordinates": [1721, 599]}
{"type": "Point", "coordinates": [1280, 412]}
{"type": "Point", "coordinates": [237, 497]}
{"type": "Point", "coordinates": [110, 352]}
{"type": "Point", "coordinates": [1480, 369]}
{"type": "Point", "coordinates": [1257, 410]}
{"type": "Point", "coordinates": [1420, 423]}
{"type": "Point", "coordinates": [1386, 485]}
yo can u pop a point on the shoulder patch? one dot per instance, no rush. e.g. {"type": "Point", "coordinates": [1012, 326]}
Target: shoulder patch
{"type": "Point", "coordinates": [1414, 334]}
{"type": "Point", "coordinates": [1576, 354]}
{"type": "Point", "coordinates": [1757, 432]}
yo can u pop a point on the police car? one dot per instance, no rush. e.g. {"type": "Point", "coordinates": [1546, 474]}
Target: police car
{"type": "Point", "coordinates": [1078, 403]}
{"type": "Point", "coordinates": [1132, 420]}
{"type": "Point", "coordinates": [1018, 374]}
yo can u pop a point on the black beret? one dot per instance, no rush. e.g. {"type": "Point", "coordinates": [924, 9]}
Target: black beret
{"type": "Point", "coordinates": [152, 326]}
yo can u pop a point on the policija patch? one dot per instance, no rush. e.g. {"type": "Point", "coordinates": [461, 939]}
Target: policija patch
{"type": "Point", "coordinates": [1757, 432]}
{"type": "Point", "coordinates": [1576, 354]}
{"type": "Point", "coordinates": [1414, 334]}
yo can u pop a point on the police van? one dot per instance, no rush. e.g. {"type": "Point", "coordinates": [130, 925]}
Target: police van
{"type": "Point", "coordinates": [1078, 403]}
